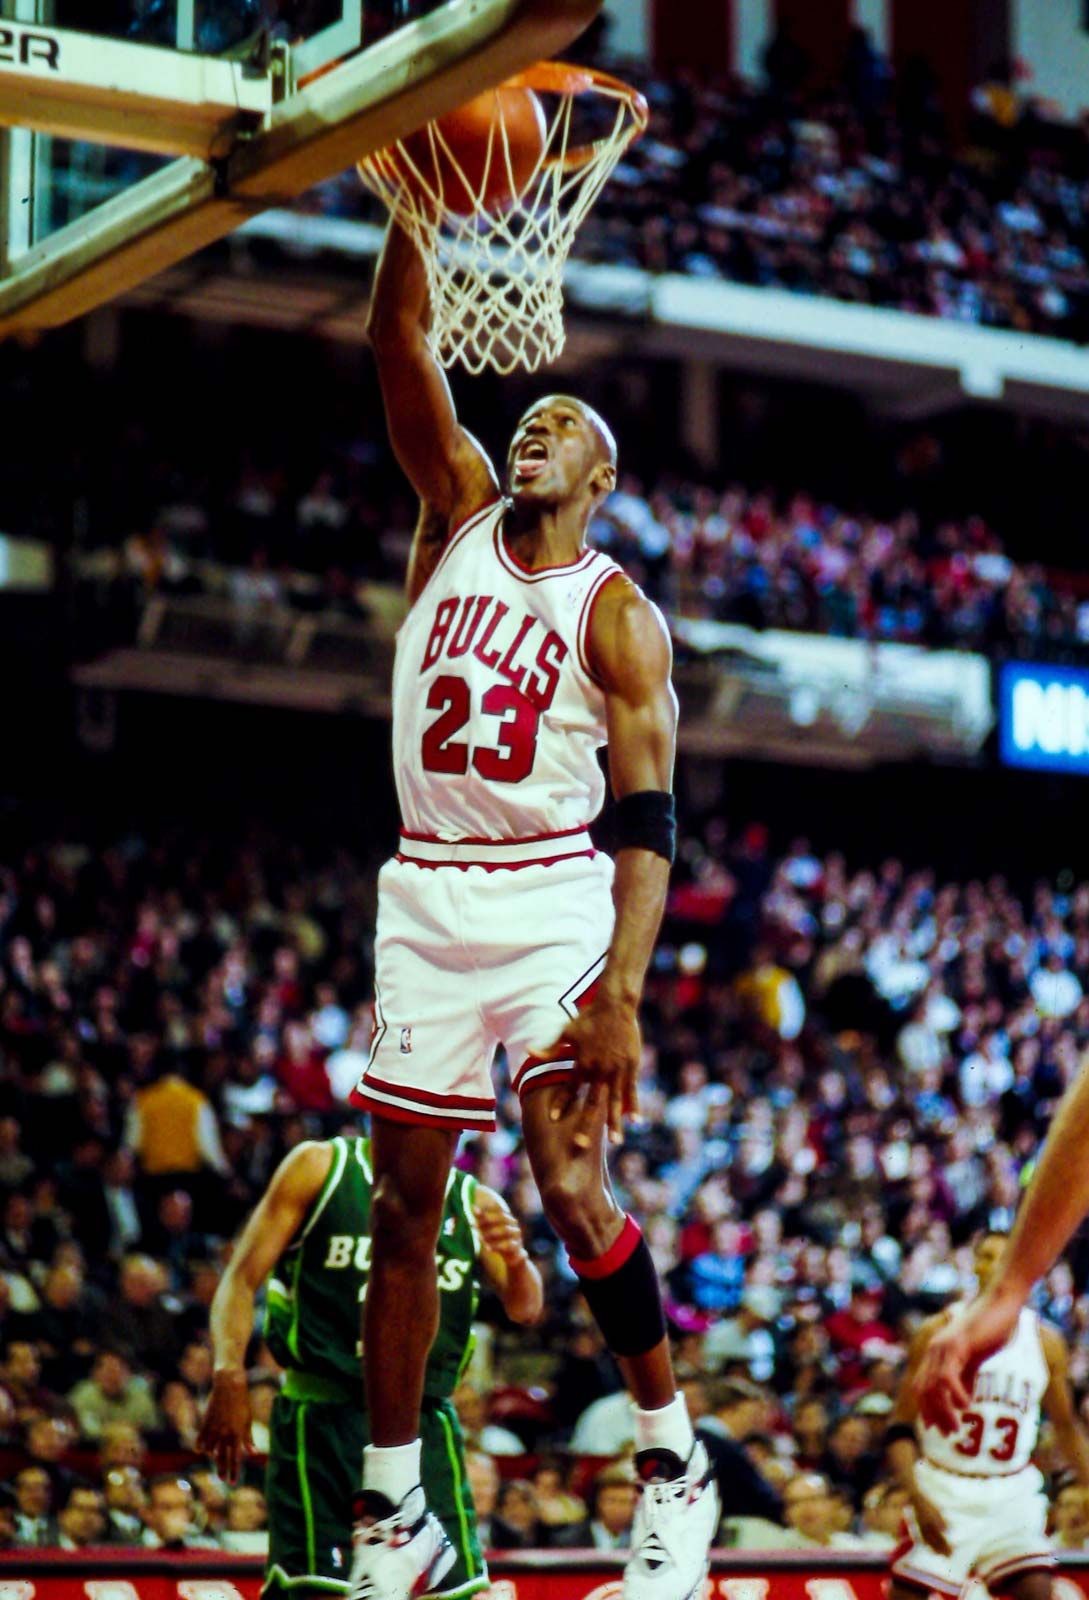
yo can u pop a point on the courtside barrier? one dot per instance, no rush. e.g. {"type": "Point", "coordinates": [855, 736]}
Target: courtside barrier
{"type": "Point", "coordinates": [533, 1575]}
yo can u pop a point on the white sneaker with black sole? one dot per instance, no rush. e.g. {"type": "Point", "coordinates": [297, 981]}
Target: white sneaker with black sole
{"type": "Point", "coordinates": [675, 1521]}
{"type": "Point", "coordinates": [398, 1552]}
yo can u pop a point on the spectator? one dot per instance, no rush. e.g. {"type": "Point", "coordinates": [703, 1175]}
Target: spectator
{"type": "Point", "coordinates": [557, 1507]}
{"type": "Point", "coordinates": [172, 1131]}
{"type": "Point", "coordinates": [34, 1525]}
{"type": "Point", "coordinates": [112, 1394]}
{"type": "Point", "coordinates": [48, 1441]}
{"type": "Point", "coordinates": [612, 1508]}
{"type": "Point", "coordinates": [20, 1374]}
{"type": "Point", "coordinates": [746, 1339]}
{"type": "Point", "coordinates": [8, 1513]}
{"type": "Point", "coordinates": [121, 1445]}
{"type": "Point", "coordinates": [64, 1326]}
{"type": "Point", "coordinates": [171, 1516]}
{"type": "Point", "coordinates": [82, 1521]}
{"type": "Point", "coordinates": [848, 1463]}
{"type": "Point", "coordinates": [483, 1476]}
{"type": "Point", "coordinates": [857, 1333]}
{"type": "Point", "coordinates": [883, 1515]}
{"type": "Point", "coordinates": [480, 1434]}
{"type": "Point", "coordinates": [738, 1409]}
{"type": "Point", "coordinates": [1069, 1518]}
{"type": "Point", "coordinates": [811, 1510]}
{"type": "Point", "coordinates": [126, 1499]}
{"type": "Point", "coordinates": [140, 1321]}
{"type": "Point", "coordinates": [180, 1417]}
{"type": "Point", "coordinates": [514, 1524]}
{"type": "Point", "coordinates": [212, 1497]}
{"type": "Point", "coordinates": [246, 1532]}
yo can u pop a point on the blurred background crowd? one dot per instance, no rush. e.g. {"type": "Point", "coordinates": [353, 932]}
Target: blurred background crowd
{"type": "Point", "coordinates": [846, 1076]}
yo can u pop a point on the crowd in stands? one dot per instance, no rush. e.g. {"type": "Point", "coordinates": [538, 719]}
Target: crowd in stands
{"type": "Point", "coordinates": [731, 555]}
{"type": "Point", "coordinates": [846, 1076]}
{"type": "Point", "coordinates": [858, 188]}
{"type": "Point", "coordinates": [860, 191]}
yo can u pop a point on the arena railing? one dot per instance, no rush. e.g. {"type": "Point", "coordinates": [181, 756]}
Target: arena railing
{"type": "Point", "coordinates": [532, 1575]}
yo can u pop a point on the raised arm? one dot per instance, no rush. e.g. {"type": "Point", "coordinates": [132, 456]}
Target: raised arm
{"type": "Point", "coordinates": [1055, 1202]}
{"type": "Point", "coordinates": [630, 654]}
{"type": "Point", "coordinates": [445, 464]}
{"type": "Point", "coordinates": [225, 1430]}
{"type": "Point", "coordinates": [503, 1258]}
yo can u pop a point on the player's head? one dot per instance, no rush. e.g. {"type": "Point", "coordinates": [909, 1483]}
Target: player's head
{"type": "Point", "coordinates": [988, 1252]}
{"type": "Point", "coordinates": [561, 451]}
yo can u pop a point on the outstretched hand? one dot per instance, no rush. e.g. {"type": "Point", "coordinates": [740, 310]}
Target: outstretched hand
{"type": "Point", "coordinates": [606, 1045]}
{"type": "Point", "coordinates": [225, 1430]}
{"type": "Point", "coordinates": [953, 1357]}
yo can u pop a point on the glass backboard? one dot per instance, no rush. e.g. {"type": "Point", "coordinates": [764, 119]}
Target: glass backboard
{"type": "Point", "coordinates": [57, 181]}
{"type": "Point", "coordinates": [133, 132]}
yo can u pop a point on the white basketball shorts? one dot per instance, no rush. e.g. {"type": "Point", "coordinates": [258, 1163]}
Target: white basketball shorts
{"type": "Point", "coordinates": [472, 956]}
{"type": "Point", "coordinates": [995, 1526]}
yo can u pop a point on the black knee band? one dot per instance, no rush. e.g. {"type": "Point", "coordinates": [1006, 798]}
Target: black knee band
{"type": "Point", "coordinates": [621, 1289]}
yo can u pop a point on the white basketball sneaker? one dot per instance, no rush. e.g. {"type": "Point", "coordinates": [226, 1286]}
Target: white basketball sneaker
{"type": "Point", "coordinates": [675, 1522]}
{"type": "Point", "coordinates": [398, 1552]}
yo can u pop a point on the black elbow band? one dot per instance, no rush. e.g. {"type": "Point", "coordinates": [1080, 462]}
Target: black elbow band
{"type": "Point", "coordinates": [621, 1289]}
{"type": "Point", "coordinates": [647, 821]}
{"type": "Point", "coordinates": [897, 1431]}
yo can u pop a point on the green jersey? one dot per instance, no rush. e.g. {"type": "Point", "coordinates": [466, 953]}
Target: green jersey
{"type": "Point", "coordinates": [315, 1294]}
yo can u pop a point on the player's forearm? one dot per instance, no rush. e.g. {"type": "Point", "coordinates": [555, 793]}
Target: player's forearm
{"type": "Point", "coordinates": [902, 1455]}
{"type": "Point", "coordinates": [1073, 1442]}
{"type": "Point", "coordinates": [639, 896]}
{"type": "Point", "coordinates": [230, 1323]}
{"type": "Point", "coordinates": [399, 301]}
{"type": "Point", "coordinates": [523, 1293]}
{"type": "Point", "coordinates": [1055, 1202]}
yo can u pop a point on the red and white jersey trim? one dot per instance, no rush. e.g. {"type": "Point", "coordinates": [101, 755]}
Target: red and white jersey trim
{"type": "Point", "coordinates": [546, 847]}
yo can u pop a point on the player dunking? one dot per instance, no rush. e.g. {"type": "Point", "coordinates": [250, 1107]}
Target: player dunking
{"type": "Point", "coordinates": [977, 1506]}
{"type": "Point", "coordinates": [524, 652]}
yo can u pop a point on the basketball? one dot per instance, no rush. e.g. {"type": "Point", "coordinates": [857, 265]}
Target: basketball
{"type": "Point", "coordinates": [467, 162]}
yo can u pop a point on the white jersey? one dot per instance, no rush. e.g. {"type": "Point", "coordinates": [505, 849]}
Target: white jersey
{"type": "Point", "coordinates": [497, 720]}
{"type": "Point", "coordinates": [997, 1432]}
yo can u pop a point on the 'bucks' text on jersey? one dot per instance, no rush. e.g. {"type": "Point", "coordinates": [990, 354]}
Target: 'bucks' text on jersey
{"type": "Point", "coordinates": [316, 1292]}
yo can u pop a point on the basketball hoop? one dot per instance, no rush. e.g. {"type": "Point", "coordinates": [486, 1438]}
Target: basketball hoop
{"type": "Point", "coordinates": [495, 273]}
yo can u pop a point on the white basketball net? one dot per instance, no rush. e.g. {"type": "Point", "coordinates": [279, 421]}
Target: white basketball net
{"type": "Point", "coordinates": [495, 275]}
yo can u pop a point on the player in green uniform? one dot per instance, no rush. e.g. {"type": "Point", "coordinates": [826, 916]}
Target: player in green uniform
{"type": "Point", "coordinates": [310, 1238]}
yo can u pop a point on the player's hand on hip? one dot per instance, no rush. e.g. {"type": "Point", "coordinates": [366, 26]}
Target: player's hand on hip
{"type": "Point", "coordinates": [932, 1525]}
{"type": "Point", "coordinates": [605, 1042]}
{"type": "Point", "coordinates": [225, 1431]}
{"type": "Point", "coordinates": [943, 1383]}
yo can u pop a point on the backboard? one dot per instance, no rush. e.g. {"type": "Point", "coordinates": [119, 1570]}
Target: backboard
{"type": "Point", "coordinates": [133, 132]}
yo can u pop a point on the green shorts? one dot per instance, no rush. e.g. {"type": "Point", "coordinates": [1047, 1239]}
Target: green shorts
{"type": "Point", "coordinates": [315, 1463]}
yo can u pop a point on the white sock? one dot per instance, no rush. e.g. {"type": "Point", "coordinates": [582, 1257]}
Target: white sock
{"type": "Point", "coordinates": [667, 1428]}
{"type": "Point", "coordinates": [392, 1470]}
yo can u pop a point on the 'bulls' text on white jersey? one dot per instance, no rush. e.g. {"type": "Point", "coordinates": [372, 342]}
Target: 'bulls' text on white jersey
{"type": "Point", "coordinates": [497, 720]}
{"type": "Point", "coordinates": [997, 1433]}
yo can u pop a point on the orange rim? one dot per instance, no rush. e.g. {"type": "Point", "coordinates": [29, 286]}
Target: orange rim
{"type": "Point", "coordinates": [565, 78]}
